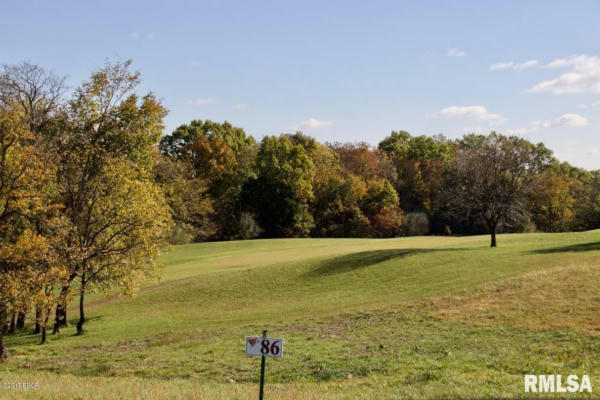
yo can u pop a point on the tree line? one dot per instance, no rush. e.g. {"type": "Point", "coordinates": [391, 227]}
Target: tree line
{"type": "Point", "coordinates": [223, 184]}
{"type": "Point", "coordinates": [91, 189]}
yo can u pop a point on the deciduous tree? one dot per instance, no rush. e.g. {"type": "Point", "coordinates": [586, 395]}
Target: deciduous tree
{"type": "Point", "coordinates": [281, 194]}
{"type": "Point", "coordinates": [419, 162]}
{"type": "Point", "coordinates": [551, 201]}
{"type": "Point", "coordinates": [116, 215]}
{"type": "Point", "coordinates": [189, 199]}
{"type": "Point", "coordinates": [491, 177]}
{"type": "Point", "coordinates": [224, 157]}
{"type": "Point", "coordinates": [28, 268]}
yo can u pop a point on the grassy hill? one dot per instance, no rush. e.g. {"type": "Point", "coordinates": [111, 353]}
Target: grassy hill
{"type": "Point", "coordinates": [423, 317]}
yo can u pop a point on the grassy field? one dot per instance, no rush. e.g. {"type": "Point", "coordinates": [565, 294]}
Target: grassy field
{"type": "Point", "coordinates": [423, 317]}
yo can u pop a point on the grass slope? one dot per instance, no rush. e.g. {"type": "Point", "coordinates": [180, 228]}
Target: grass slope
{"type": "Point", "coordinates": [425, 317]}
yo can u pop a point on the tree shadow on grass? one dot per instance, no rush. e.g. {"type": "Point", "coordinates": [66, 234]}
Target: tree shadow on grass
{"type": "Point", "coordinates": [28, 332]}
{"type": "Point", "coordinates": [354, 261]}
{"type": "Point", "coordinates": [572, 248]}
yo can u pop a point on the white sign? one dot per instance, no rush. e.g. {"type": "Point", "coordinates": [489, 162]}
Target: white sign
{"type": "Point", "coordinates": [268, 347]}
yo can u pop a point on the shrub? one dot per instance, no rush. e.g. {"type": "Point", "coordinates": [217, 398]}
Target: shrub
{"type": "Point", "coordinates": [387, 223]}
{"type": "Point", "coordinates": [248, 228]}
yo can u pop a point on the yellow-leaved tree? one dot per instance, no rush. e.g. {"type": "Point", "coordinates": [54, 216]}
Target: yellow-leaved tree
{"type": "Point", "coordinates": [128, 222]}
{"type": "Point", "coordinates": [29, 266]}
{"type": "Point", "coordinates": [117, 216]}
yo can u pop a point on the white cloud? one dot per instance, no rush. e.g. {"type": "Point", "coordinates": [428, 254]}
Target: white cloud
{"type": "Point", "coordinates": [568, 120]}
{"type": "Point", "coordinates": [202, 101]}
{"type": "Point", "coordinates": [134, 35]}
{"type": "Point", "coordinates": [572, 120]}
{"type": "Point", "coordinates": [241, 106]}
{"type": "Point", "coordinates": [313, 123]}
{"type": "Point", "coordinates": [150, 36]}
{"type": "Point", "coordinates": [500, 66]}
{"type": "Point", "coordinates": [558, 63]}
{"type": "Point", "coordinates": [456, 53]}
{"type": "Point", "coordinates": [514, 66]}
{"type": "Point", "coordinates": [475, 112]}
{"type": "Point", "coordinates": [583, 77]}
{"type": "Point", "coordinates": [521, 131]}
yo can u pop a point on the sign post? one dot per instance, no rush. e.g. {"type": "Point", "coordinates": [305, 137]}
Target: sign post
{"type": "Point", "coordinates": [263, 347]}
{"type": "Point", "coordinates": [263, 361]}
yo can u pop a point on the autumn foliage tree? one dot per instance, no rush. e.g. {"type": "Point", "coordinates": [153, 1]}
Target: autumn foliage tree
{"type": "Point", "coordinates": [337, 195]}
{"type": "Point", "coordinates": [189, 200]}
{"type": "Point", "coordinates": [491, 177]}
{"type": "Point", "coordinates": [29, 267]}
{"type": "Point", "coordinates": [551, 201]}
{"type": "Point", "coordinates": [117, 215]}
{"type": "Point", "coordinates": [37, 95]}
{"type": "Point", "coordinates": [79, 204]}
{"type": "Point", "coordinates": [221, 155]}
{"type": "Point", "coordinates": [378, 213]}
{"type": "Point", "coordinates": [420, 162]}
{"type": "Point", "coordinates": [365, 161]}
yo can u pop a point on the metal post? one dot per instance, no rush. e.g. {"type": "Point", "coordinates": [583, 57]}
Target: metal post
{"type": "Point", "coordinates": [262, 372]}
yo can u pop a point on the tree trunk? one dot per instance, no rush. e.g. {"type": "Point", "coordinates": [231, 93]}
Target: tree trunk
{"type": "Point", "coordinates": [61, 309]}
{"type": "Point", "coordinates": [21, 319]}
{"type": "Point", "coordinates": [64, 294]}
{"type": "Point", "coordinates": [43, 335]}
{"type": "Point", "coordinates": [61, 315]}
{"type": "Point", "coordinates": [3, 351]}
{"type": "Point", "coordinates": [492, 224]}
{"type": "Point", "coordinates": [38, 326]}
{"type": "Point", "coordinates": [45, 325]}
{"type": "Point", "coordinates": [81, 310]}
{"type": "Point", "coordinates": [13, 323]}
{"type": "Point", "coordinates": [57, 319]}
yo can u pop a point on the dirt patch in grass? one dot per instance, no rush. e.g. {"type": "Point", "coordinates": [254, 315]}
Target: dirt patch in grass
{"type": "Point", "coordinates": [560, 298]}
{"type": "Point", "coordinates": [344, 324]}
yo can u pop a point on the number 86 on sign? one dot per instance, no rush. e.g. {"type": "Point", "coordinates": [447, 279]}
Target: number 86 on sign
{"type": "Point", "coordinates": [268, 347]}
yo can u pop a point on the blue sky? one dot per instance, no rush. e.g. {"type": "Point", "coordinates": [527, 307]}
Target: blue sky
{"type": "Point", "coordinates": [340, 70]}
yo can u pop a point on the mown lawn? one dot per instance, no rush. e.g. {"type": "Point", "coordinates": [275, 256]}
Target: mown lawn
{"type": "Point", "coordinates": [426, 317]}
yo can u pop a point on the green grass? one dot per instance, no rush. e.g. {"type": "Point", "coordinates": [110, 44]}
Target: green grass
{"type": "Point", "coordinates": [424, 317]}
